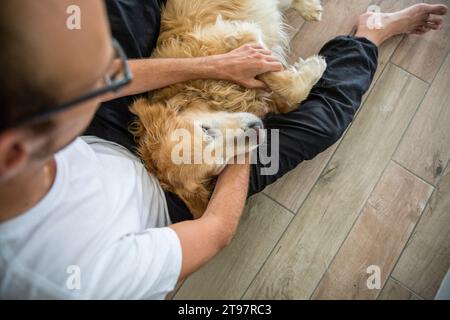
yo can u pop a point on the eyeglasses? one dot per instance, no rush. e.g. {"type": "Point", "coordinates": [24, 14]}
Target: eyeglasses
{"type": "Point", "coordinates": [113, 81]}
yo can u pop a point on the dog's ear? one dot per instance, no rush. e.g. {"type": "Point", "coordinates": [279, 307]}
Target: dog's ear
{"type": "Point", "coordinates": [150, 129]}
{"type": "Point", "coordinates": [152, 120]}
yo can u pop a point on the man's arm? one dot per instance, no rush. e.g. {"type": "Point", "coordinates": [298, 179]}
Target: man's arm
{"type": "Point", "coordinates": [241, 66]}
{"type": "Point", "coordinates": [202, 239]}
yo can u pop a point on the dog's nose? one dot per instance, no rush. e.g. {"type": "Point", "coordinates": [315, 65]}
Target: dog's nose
{"type": "Point", "coordinates": [255, 125]}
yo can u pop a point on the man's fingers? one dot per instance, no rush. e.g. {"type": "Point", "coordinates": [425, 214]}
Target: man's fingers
{"type": "Point", "coordinates": [257, 84]}
{"type": "Point", "coordinates": [268, 54]}
{"type": "Point", "coordinates": [256, 46]}
{"type": "Point", "coordinates": [265, 52]}
{"type": "Point", "coordinates": [272, 59]}
{"type": "Point", "coordinates": [274, 67]}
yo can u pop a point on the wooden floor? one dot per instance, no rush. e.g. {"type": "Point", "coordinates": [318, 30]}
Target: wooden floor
{"type": "Point", "coordinates": [380, 197]}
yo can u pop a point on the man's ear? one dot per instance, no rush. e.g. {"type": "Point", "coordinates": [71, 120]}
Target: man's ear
{"type": "Point", "coordinates": [13, 154]}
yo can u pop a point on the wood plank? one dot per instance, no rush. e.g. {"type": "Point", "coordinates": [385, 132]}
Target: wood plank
{"type": "Point", "coordinates": [426, 259]}
{"type": "Point", "coordinates": [425, 149]}
{"type": "Point", "coordinates": [229, 274]}
{"type": "Point", "coordinates": [295, 267]}
{"type": "Point", "coordinates": [339, 18]}
{"type": "Point", "coordinates": [394, 290]}
{"type": "Point", "coordinates": [294, 21]}
{"type": "Point", "coordinates": [423, 55]}
{"type": "Point", "coordinates": [378, 237]}
{"type": "Point", "coordinates": [385, 52]}
{"type": "Point", "coordinates": [292, 189]}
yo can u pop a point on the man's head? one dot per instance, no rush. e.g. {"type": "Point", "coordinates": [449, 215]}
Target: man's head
{"type": "Point", "coordinates": [42, 65]}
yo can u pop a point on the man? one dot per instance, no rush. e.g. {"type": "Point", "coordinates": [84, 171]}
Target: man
{"type": "Point", "coordinates": [80, 217]}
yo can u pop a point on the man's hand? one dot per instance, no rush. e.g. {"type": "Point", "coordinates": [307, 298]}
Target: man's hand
{"type": "Point", "coordinates": [242, 65]}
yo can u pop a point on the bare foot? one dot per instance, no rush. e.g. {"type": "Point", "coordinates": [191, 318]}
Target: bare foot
{"type": "Point", "coordinates": [417, 19]}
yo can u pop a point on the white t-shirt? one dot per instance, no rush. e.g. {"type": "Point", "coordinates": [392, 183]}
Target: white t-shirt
{"type": "Point", "coordinates": [100, 233]}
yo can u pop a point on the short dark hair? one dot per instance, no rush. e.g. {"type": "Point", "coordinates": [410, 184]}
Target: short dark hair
{"type": "Point", "coordinates": [21, 95]}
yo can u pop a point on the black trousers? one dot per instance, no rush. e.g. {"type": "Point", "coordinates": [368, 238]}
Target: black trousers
{"type": "Point", "coordinates": [302, 134]}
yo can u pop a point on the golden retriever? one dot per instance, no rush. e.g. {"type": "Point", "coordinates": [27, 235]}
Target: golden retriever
{"type": "Point", "coordinates": [204, 112]}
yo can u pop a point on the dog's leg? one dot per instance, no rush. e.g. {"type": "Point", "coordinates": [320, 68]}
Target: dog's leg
{"type": "Point", "coordinates": [311, 10]}
{"type": "Point", "coordinates": [293, 85]}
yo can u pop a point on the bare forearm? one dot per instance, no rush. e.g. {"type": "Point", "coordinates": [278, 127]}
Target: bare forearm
{"type": "Point", "coordinates": [202, 239]}
{"type": "Point", "coordinates": [229, 198]}
{"type": "Point", "coordinates": [152, 74]}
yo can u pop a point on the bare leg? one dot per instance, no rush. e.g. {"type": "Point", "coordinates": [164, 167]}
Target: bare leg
{"type": "Point", "coordinates": [417, 19]}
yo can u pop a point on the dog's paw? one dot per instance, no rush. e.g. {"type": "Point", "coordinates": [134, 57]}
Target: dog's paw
{"type": "Point", "coordinates": [315, 66]}
{"type": "Point", "coordinates": [311, 10]}
{"type": "Point", "coordinates": [317, 63]}
{"type": "Point", "coordinates": [299, 64]}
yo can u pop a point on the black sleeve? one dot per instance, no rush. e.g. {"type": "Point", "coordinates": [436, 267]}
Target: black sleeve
{"type": "Point", "coordinates": [135, 24]}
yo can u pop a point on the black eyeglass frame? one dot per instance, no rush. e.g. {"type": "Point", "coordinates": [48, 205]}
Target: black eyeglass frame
{"type": "Point", "coordinates": [113, 86]}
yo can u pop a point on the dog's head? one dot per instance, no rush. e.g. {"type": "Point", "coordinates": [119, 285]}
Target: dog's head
{"type": "Point", "coordinates": [186, 149]}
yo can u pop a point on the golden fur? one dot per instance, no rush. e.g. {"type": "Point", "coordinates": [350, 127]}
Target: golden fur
{"type": "Point", "coordinates": [195, 28]}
